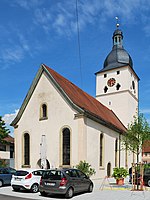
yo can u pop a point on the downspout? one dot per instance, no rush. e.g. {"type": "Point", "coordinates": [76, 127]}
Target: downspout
{"type": "Point", "coordinates": [119, 148]}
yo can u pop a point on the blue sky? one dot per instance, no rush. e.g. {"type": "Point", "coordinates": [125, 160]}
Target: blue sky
{"type": "Point", "coordinates": [45, 31]}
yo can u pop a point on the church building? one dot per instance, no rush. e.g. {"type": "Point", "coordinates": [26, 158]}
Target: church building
{"type": "Point", "coordinates": [61, 124]}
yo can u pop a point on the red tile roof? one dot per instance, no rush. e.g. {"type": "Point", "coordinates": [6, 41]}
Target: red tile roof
{"type": "Point", "coordinates": [146, 146]}
{"type": "Point", "coordinates": [86, 102]}
{"type": "Point", "coordinates": [9, 139]}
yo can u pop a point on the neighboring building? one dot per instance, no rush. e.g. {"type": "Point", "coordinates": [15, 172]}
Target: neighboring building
{"type": "Point", "coordinates": [7, 151]}
{"type": "Point", "coordinates": [75, 126]}
{"type": "Point", "coordinates": [146, 152]}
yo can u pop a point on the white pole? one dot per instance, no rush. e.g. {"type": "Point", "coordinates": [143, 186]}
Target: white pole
{"type": "Point", "coordinates": [43, 152]}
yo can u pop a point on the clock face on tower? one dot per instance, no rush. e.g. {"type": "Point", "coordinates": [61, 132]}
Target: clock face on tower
{"type": "Point", "coordinates": [111, 82]}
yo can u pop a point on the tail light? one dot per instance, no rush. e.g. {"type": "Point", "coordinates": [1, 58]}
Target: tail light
{"type": "Point", "coordinates": [63, 181]}
{"type": "Point", "coordinates": [41, 181]}
{"type": "Point", "coordinates": [28, 176]}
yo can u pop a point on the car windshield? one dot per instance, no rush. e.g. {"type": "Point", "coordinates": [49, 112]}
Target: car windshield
{"type": "Point", "coordinates": [53, 175]}
{"type": "Point", "coordinates": [21, 173]}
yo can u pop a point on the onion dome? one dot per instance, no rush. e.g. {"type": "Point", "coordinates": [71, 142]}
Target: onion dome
{"type": "Point", "coordinates": [118, 57]}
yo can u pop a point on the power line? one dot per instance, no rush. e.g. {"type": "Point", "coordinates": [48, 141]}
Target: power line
{"type": "Point", "coordinates": [79, 46]}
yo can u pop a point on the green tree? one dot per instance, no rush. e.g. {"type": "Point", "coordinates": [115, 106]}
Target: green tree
{"type": "Point", "coordinates": [3, 130]}
{"type": "Point", "coordinates": [137, 133]}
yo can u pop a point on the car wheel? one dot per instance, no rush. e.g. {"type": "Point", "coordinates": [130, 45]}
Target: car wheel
{"type": "Point", "coordinates": [90, 188]}
{"type": "Point", "coordinates": [44, 194]}
{"type": "Point", "coordinates": [148, 182]}
{"type": "Point", "coordinates": [1, 183]}
{"type": "Point", "coordinates": [35, 188]}
{"type": "Point", "coordinates": [69, 193]}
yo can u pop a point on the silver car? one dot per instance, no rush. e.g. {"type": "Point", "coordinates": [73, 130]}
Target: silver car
{"type": "Point", "coordinates": [64, 181]}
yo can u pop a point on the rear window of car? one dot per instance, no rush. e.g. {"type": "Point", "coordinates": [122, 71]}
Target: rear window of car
{"type": "Point", "coordinates": [12, 171]}
{"type": "Point", "coordinates": [147, 171]}
{"type": "Point", "coordinates": [53, 175]}
{"type": "Point", "coordinates": [37, 173]}
{"type": "Point", "coordinates": [21, 173]}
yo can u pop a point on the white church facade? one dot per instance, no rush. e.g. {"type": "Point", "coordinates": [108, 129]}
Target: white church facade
{"type": "Point", "coordinates": [75, 126]}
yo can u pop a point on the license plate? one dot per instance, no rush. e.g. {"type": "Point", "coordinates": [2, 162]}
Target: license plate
{"type": "Point", "coordinates": [50, 184]}
{"type": "Point", "coordinates": [18, 179]}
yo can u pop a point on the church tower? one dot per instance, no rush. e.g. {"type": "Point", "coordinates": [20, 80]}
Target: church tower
{"type": "Point", "coordinates": [117, 82]}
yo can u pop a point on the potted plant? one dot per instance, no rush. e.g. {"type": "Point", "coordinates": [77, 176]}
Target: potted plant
{"type": "Point", "coordinates": [119, 173]}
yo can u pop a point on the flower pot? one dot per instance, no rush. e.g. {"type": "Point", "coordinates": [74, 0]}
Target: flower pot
{"type": "Point", "coordinates": [120, 181]}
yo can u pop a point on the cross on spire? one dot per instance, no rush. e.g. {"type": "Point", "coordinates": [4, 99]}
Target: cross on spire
{"type": "Point", "coordinates": [117, 22]}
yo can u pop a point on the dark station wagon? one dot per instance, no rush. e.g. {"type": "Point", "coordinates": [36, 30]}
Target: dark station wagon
{"type": "Point", "coordinates": [64, 181]}
{"type": "Point", "coordinates": [6, 175]}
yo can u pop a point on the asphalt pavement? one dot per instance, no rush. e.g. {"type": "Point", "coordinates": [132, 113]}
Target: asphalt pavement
{"type": "Point", "coordinates": [104, 189]}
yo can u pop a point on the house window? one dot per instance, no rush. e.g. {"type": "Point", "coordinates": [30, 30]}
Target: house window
{"type": "Point", "coordinates": [43, 112]}
{"type": "Point", "coordinates": [118, 72]}
{"type": "Point", "coordinates": [101, 149]}
{"type": "Point", "coordinates": [26, 149]}
{"type": "Point", "coordinates": [116, 152]}
{"type": "Point", "coordinates": [105, 75]}
{"type": "Point", "coordinates": [66, 146]}
{"type": "Point", "coordinates": [11, 151]}
{"type": "Point", "coordinates": [2, 147]}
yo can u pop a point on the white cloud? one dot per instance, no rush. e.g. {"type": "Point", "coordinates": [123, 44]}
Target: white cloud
{"type": "Point", "coordinates": [11, 55]}
{"type": "Point", "coordinates": [8, 118]}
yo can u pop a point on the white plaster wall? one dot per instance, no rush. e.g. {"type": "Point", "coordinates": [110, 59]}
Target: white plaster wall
{"type": "Point", "coordinates": [124, 102]}
{"type": "Point", "coordinates": [125, 79]}
{"type": "Point", "coordinates": [59, 115]}
{"type": "Point", "coordinates": [93, 148]}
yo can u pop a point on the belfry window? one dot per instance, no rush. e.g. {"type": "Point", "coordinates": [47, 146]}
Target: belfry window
{"type": "Point", "coordinates": [105, 89]}
{"type": "Point", "coordinates": [66, 146]}
{"type": "Point", "coordinates": [26, 149]}
{"type": "Point", "coordinates": [133, 85]}
{"type": "Point", "coordinates": [105, 75]}
{"type": "Point", "coordinates": [118, 86]}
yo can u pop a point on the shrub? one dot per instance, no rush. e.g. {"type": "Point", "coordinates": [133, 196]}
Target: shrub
{"type": "Point", "coordinates": [85, 168]}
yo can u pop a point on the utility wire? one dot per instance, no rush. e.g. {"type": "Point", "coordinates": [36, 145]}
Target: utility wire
{"type": "Point", "coordinates": [79, 46]}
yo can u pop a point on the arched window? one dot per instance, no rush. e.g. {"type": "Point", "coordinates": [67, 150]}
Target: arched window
{"type": "Point", "coordinates": [43, 112]}
{"type": "Point", "coordinates": [116, 152]}
{"type": "Point", "coordinates": [26, 149]}
{"type": "Point", "coordinates": [66, 146]}
{"type": "Point", "coordinates": [101, 149]}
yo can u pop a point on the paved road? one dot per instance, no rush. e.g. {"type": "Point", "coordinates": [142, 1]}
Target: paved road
{"type": "Point", "coordinates": [6, 197]}
{"type": "Point", "coordinates": [106, 194]}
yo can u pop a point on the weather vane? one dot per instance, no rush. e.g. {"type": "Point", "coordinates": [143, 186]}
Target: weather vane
{"type": "Point", "coordinates": [117, 24]}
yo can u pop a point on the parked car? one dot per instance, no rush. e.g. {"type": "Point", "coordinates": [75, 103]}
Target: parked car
{"type": "Point", "coordinates": [64, 181]}
{"type": "Point", "coordinates": [146, 177]}
{"type": "Point", "coordinates": [27, 179]}
{"type": "Point", "coordinates": [6, 175]}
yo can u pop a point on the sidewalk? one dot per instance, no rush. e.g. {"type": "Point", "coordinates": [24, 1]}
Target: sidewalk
{"type": "Point", "coordinates": [110, 184]}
